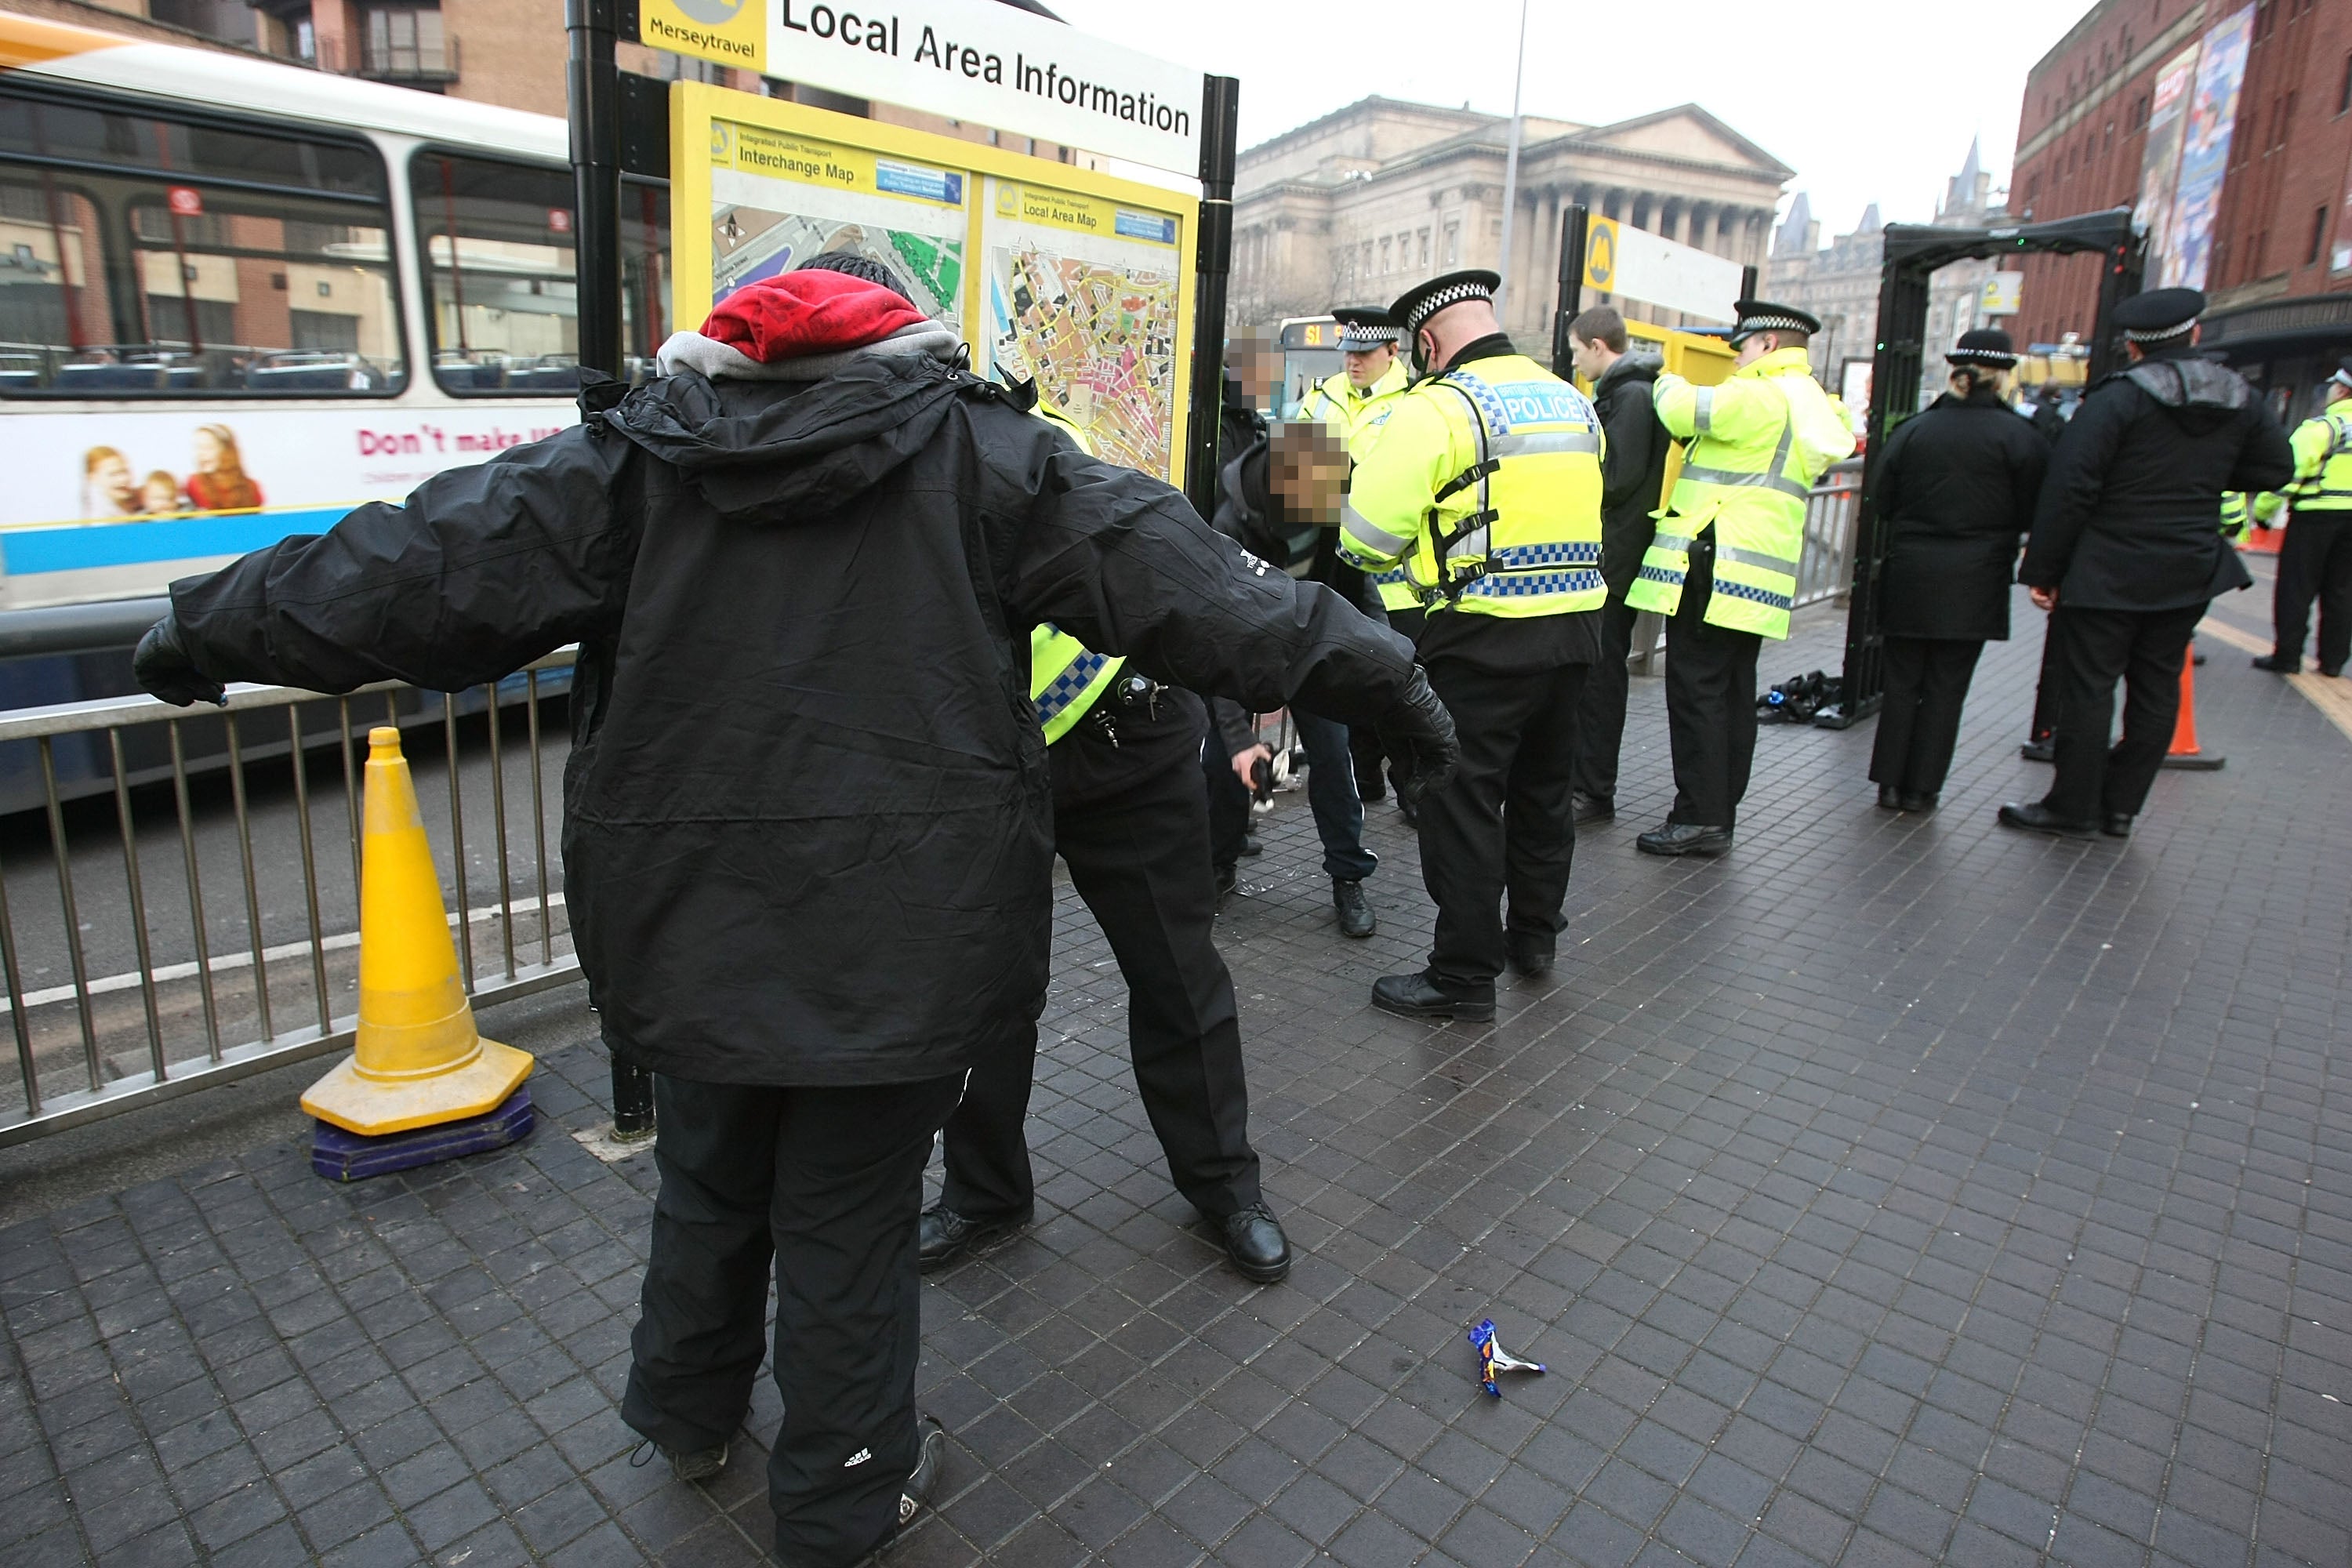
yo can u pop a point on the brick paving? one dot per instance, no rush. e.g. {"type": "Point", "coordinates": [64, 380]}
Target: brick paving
{"type": "Point", "coordinates": [1897, 1191]}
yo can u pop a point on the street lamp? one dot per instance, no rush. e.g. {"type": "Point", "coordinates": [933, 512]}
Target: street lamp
{"type": "Point", "coordinates": [1511, 172]}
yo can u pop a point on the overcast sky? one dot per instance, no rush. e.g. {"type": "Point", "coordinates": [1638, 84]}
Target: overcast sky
{"type": "Point", "coordinates": [1867, 100]}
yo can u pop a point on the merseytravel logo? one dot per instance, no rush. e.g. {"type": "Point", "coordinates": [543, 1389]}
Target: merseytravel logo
{"type": "Point", "coordinates": [1601, 255]}
{"type": "Point", "coordinates": [1008, 201]}
{"type": "Point", "coordinates": [733, 32]}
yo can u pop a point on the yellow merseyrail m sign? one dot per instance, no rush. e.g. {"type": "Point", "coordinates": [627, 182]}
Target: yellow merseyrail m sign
{"type": "Point", "coordinates": [1622, 259]}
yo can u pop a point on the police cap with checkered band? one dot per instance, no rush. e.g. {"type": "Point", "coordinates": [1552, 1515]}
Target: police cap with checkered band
{"type": "Point", "coordinates": [1415, 306]}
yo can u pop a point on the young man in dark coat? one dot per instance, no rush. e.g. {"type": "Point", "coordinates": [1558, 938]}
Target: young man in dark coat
{"type": "Point", "coordinates": [1633, 478]}
{"type": "Point", "coordinates": [2127, 552]}
{"type": "Point", "coordinates": [807, 830]}
{"type": "Point", "coordinates": [1956, 485]}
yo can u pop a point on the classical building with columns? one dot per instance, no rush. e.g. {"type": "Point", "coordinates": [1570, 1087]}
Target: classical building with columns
{"type": "Point", "coordinates": [1356, 207]}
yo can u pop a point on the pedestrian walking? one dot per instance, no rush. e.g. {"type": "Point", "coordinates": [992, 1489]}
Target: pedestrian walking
{"type": "Point", "coordinates": [2316, 556]}
{"type": "Point", "coordinates": [1956, 487]}
{"type": "Point", "coordinates": [1722, 568]}
{"type": "Point", "coordinates": [1632, 481]}
{"type": "Point", "coordinates": [808, 825]}
{"type": "Point", "coordinates": [1485, 487]}
{"type": "Point", "coordinates": [2126, 550]}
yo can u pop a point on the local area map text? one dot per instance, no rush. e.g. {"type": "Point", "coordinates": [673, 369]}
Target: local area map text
{"type": "Point", "coordinates": [1102, 340]}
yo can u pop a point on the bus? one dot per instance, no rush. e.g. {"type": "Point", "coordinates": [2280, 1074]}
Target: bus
{"type": "Point", "coordinates": [1310, 356]}
{"type": "Point", "coordinates": [238, 297]}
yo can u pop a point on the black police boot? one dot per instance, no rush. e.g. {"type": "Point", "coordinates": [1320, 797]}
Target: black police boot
{"type": "Point", "coordinates": [1583, 808]}
{"type": "Point", "coordinates": [2280, 663]}
{"type": "Point", "coordinates": [2118, 824]}
{"type": "Point", "coordinates": [1418, 997]}
{"type": "Point", "coordinates": [2037, 818]}
{"type": "Point", "coordinates": [946, 1235]}
{"type": "Point", "coordinates": [2332, 671]}
{"type": "Point", "coordinates": [1254, 1240]}
{"type": "Point", "coordinates": [2044, 749]}
{"type": "Point", "coordinates": [1889, 799]}
{"type": "Point", "coordinates": [1253, 844]}
{"type": "Point", "coordinates": [1684, 838]}
{"type": "Point", "coordinates": [1921, 802]}
{"type": "Point", "coordinates": [1530, 953]}
{"type": "Point", "coordinates": [1355, 911]}
{"type": "Point", "coordinates": [1227, 880]}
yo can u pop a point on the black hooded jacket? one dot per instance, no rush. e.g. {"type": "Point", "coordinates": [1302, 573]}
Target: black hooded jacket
{"type": "Point", "coordinates": [1632, 467]}
{"type": "Point", "coordinates": [2130, 515]}
{"type": "Point", "coordinates": [1956, 485]}
{"type": "Point", "coordinates": [808, 834]}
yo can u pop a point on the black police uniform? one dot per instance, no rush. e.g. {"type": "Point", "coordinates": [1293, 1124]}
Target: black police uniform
{"type": "Point", "coordinates": [1957, 484]}
{"type": "Point", "coordinates": [1132, 825]}
{"type": "Point", "coordinates": [2127, 531]}
{"type": "Point", "coordinates": [1633, 476]}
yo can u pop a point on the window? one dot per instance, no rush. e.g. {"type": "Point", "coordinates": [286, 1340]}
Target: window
{"type": "Point", "coordinates": [494, 242]}
{"type": "Point", "coordinates": [167, 257]}
{"type": "Point", "coordinates": [2318, 235]}
{"type": "Point", "coordinates": [2344, 88]}
{"type": "Point", "coordinates": [1424, 249]}
{"type": "Point", "coordinates": [406, 43]}
{"type": "Point", "coordinates": [1454, 243]}
{"type": "Point", "coordinates": [1385, 264]}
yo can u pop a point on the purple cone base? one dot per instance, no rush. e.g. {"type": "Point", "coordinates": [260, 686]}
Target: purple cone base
{"type": "Point", "coordinates": [1493, 1358]}
{"type": "Point", "coordinates": [342, 1156]}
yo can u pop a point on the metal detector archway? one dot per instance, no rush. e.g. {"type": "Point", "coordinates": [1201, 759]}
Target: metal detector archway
{"type": "Point", "coordinates": [1914, 252]}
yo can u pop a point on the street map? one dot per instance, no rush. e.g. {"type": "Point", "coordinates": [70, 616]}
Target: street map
{"type": "Point", "coordinates": [1082, 296]}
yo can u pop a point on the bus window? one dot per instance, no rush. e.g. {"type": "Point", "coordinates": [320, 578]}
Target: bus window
{"type": "Point", "coordinates": [645, 275]}
{"type": "Point", "coordinates": [500, 295]}
{"type": "Point", "coordinates": [143, 255]}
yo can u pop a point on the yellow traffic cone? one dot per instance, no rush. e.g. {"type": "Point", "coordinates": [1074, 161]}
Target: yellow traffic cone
{"type": "Point", "coordinates": [420, 1061]}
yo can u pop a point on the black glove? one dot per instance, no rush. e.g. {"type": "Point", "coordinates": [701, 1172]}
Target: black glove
{"type": "Point", "coordinates": [163, 666]}
{"type": "Point", "coordinates": [1418, 732]}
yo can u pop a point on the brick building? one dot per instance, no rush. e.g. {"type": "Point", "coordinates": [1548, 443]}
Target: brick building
{"type": "Point", "coordinates": [2277, 262]}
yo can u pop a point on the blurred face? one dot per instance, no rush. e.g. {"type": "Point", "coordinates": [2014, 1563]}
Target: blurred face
{"type": "Point", "coordinates": [1755, 346]}
{"type": "Point", "coordinates": [1255, 363]}
{"type": "Point", "coordinates": [111, 478]}
{"type": "Point", "coordinates": [2336, 393]}
{"type": "Point", "coordinates": [1306, 467]}
{"type": "Point", "coordinates": [1365, 368]}
{"type": "Point", "coordinates": [208, 451]}
{"type": "Point", "coordinates": [161, 495]}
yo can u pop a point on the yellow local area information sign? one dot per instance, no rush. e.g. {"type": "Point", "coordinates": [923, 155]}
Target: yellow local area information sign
{"type": "Point", "coordinates": [1060, 275]}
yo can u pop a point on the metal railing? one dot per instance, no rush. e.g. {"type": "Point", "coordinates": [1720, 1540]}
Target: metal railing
{"type": "Point", "coordinates": [205, 922]}
{"type": "Point", "coordinates": [1825, 568]}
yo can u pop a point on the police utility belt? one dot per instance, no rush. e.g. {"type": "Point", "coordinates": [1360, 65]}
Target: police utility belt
{"type": "Point", "coordinates": [1131, 699]}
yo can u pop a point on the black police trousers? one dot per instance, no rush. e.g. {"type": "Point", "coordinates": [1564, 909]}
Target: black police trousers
{"type": "Point", "coordinates": [1501, 829]}
{"type": "Point", "coordinates": [2144, 649]}
{"type": "Point", "coordinates": [1926, 686]}
{"type": "Point", "coordinates": [1710, 703]}
{"type": "Point", "coordinates": [1600, 715]}
{"type": "Point", "coordinates": [1141, 860]}
{"type": "Point", "coordinates": [2316, 562]}
{"type": "Point", "coordinates": [827, 1183]}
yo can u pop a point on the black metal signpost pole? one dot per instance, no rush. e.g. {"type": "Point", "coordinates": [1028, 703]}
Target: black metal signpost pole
{"type": "Point", "coordinates": [1574, 224]}
{"type": "Point", "coordinates": [1211, 260]}
{"type": "Point", "coordinates": [591, 27]}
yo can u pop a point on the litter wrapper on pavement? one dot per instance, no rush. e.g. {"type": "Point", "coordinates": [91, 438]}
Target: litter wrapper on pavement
{"type": "Point", "coordinates": [1493, 1358]}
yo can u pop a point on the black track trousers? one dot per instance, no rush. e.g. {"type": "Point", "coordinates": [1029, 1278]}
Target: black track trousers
{"type": "Point", "coordinates": [2316, 562]}
{"type": "Point", "coordinates": [827, 1183]}
{"type": "Point", "coordinates": [1600, 715]}
{"type": "Point", "coordinates": [1710, 703]}
{"type": "Point", "coordinates": [1140, 861]}
{"type": "Point", "coordinates": [2143, 648]}
{"type": "Point", "coordinates": [1501, 829]}
{"type": "Point", "coordinates": [1926, 686]}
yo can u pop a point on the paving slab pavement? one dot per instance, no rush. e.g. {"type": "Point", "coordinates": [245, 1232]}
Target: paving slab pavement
{"type": "Point", "coordinates": [1897, 1190]}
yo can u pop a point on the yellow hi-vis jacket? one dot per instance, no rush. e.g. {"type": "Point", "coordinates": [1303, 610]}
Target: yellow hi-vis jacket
{"type": "Point", "coordinates": [1757, 443]}
{"type": "Point", "coordinates": [1360, 416]}
{"type": "Point", "coordinates": [1485, 486]}
{"type": "Point", "coordinates": [1065, 677]}
{"type": "Point", "coordinates": [2323, 464]}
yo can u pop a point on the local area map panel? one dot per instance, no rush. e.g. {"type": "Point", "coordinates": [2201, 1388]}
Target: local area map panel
{"type": "Point", "coordinates": [779, 199]}
{"type": "Point", "coordinates": [1080, 293]}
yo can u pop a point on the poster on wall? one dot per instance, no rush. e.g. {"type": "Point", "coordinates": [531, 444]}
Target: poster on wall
{"type": "Point", "coordinates": [2339, 256]}
{"type": "Point", "coordinates": [1071, 278]}
{"type": "Point", "coordinates": [779, 199]}
{"type": "Point", "coordinates": [2160, 163]}
{"type": "Point", "coordinates": [1079, 295]}
{"type": "Point", "coordinates": [2205, 152]}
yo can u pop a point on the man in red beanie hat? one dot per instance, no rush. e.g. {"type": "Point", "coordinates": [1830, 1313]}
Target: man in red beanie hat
{"type": "Point", "coordinates": [808, 840]}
